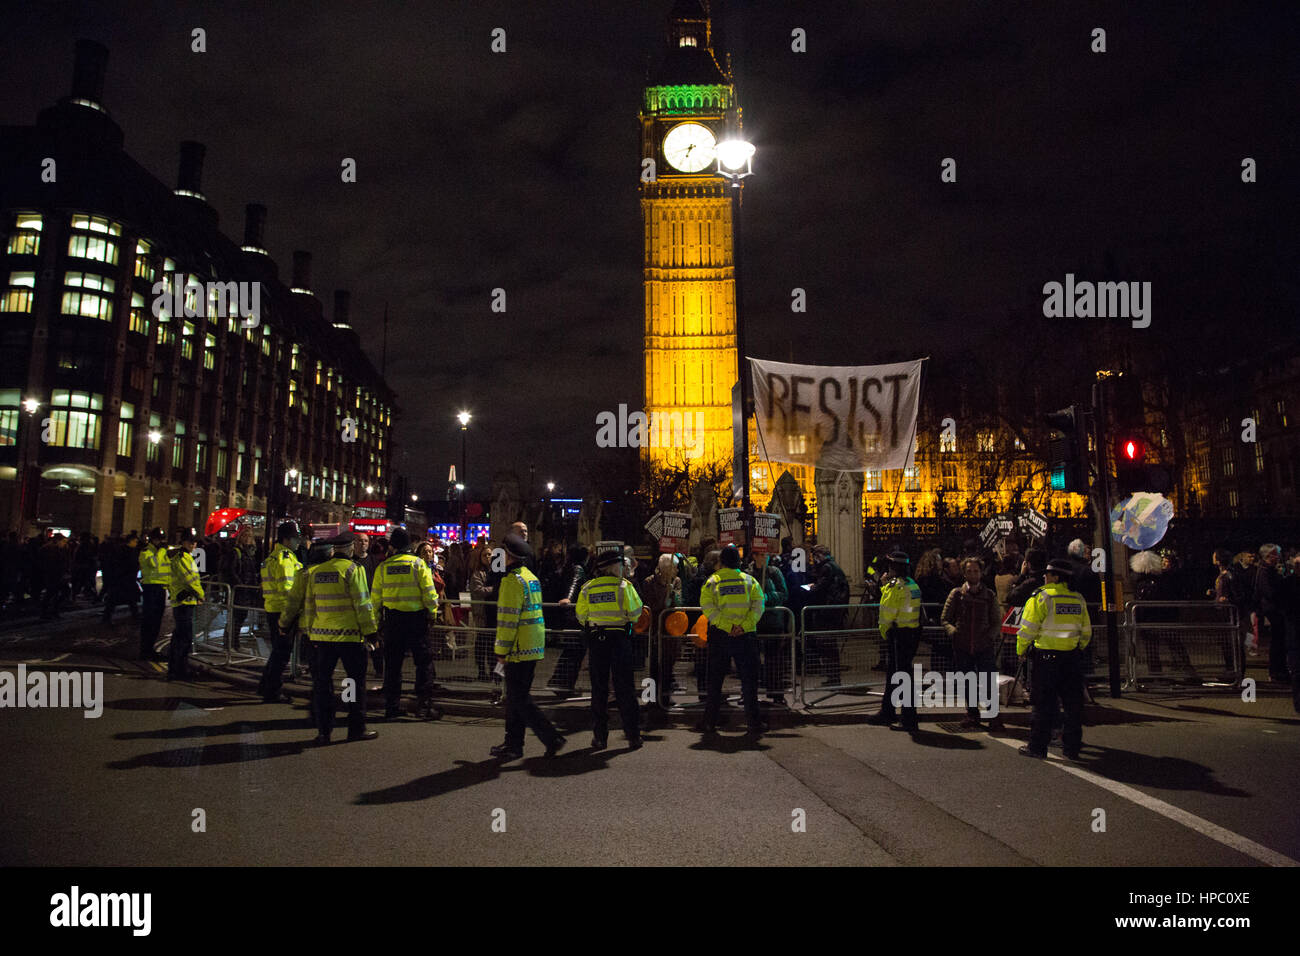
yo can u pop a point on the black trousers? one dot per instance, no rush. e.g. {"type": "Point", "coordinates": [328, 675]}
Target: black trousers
{"type": "Point", "coordinates": [1276, 643]}
{"type": "Point", "coordinates": [178, 663]}
{"type": "Point", "coordinates": [1058, 675]}
{"type": "Point", "coordinates": [900, 648]}
{"type": "Point", "coordinates": [570, 663]}
{"type": "Point", "coordinates": [521, 711]}
{"type": "Point", "coordinates": [326, 655]}
{"type": "Point", "coordinates": [612, 652]}
{"type": "Point", "coordinates": [722, 649]}
{"type": "Point", "coordinates": [281, 651]}
{"type": "Point", "coordinates": [154, 603]}
{"type": "Point", "coordinates": [403, 631]}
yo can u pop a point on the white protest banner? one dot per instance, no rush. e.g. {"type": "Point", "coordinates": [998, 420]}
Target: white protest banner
{"type": "Point", "coordinates": [838, 417]}
{"type": "Point", "coordinates": [676, 532]}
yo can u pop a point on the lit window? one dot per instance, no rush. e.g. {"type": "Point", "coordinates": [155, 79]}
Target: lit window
{"type": "Point", "coordinates": [293, 365]}
{"type": "Point", "coordinates": [143, 249]}
{"type": "Point", "coordinates": [139, 323]}
{"type": "Point", "coordinates": [1228, 461]}
{"type": "Point", "coordinates": [222, 455]}
{"type": "Point", "coordinates": [949, 477]}
{"type": "Point", "coordinates": [947, 441]}
{"type": "Point", "coordinates": [166, 336]}
{"type": "Point", "coordinates": [984, 441]}
{"type": "Point", "coordinates": [88, 304]}
{"type": "Point", "coordinates": [873, 479]}
{"type": "Point", "coordinates": [96, 224]}
{"type": "Point", "coordinates": [25, 240]}
{"type": "Point", "coordinates": [75, 419]}
{"type": "Point", "coordinates": [686, 41]}
{"type": "Point", "coordinates": [209, 352]}
{"type": "Point", "coordinates": [178, 446]}
{"type": "Point", "coordinates": [9, 416]}
{"type": "Point", "coordinates": [912, 478]}
{"type": "Point", "coordinates": [125, 429]}
{"type": "Point", "coordinates": [18, 297]}
{"type": "Point", "coordinates": [1259, 458]}
{"type": "Point", "coordinates": [92, 247]}
{"type": "Point", "coordinates": [1281, 412]}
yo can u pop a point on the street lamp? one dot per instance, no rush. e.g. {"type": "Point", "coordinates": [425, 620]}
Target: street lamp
{"type": "Point", "coordinates": [370, 489]}
{"type": "Point", "coordinates": [415, 498]}
{"type": "Point", "coordinates": [30, 405]}
{"type": "Point", "coordinates": [550, 487]}
{"type": "Point", "coordinates": [155, 436]}
{"type": "Point", "coordinates": [463, 417]}
{"type": "Point", "coordinates": [735, 163]}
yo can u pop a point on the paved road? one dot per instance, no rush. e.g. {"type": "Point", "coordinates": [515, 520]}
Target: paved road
{"type": "Point", "coordinates": [1178, 786]}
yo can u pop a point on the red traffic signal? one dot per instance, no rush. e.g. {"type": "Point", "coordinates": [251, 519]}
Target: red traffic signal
{"type": "Point", "coordinates": [1132, 450]}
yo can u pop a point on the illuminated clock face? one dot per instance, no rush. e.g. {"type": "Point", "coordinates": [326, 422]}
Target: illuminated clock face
{"type": "Point", "coordinates": [689, 147]}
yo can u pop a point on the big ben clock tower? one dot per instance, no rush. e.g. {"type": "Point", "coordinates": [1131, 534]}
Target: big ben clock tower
{"type": "Point", "coordinates": [690, 293]}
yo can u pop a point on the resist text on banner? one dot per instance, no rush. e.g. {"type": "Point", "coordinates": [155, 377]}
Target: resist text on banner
{"type": "Point", "coordinates": [838, 417]}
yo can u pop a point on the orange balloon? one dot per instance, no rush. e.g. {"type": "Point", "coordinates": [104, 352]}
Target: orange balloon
{"type": "Point", "coordinates": [675, 623]}
{"type": "Point", "coordinates": [643, 622]}
{"type": "Point", "coordinates": [700, 632]}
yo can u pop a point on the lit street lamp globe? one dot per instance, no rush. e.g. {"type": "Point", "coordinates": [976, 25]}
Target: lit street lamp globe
{"type": "Point", "coordinates": [735, 154]}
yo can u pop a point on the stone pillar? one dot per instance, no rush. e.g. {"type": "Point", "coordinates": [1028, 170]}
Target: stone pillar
{"type": "Point", "coordinates": [101, 508]}
{"type": "Point", "coordinates": [133, 516]}
{"type": "Point", "coordinates": [506, 505]}
{"type": "Point", "coordinates": [839, 521]}
{"type": "Point", "coordinates": [788, 502]}
{"type": "Point", "coordinates": [589, 520]}
{"type": "Point", "coordinates": [704, 515]}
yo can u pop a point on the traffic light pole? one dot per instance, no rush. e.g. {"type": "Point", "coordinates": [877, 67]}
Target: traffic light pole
{"type": "Point", "coordinates": [1102, 501]}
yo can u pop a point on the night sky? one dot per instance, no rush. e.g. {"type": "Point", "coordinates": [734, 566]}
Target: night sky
{"type": "Point", "coordinates": [519, 170]}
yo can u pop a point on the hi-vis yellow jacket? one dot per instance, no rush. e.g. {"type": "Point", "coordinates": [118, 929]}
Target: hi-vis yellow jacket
{"type": "Point", "coordinates": [1054, 619]}
{"type": "Point", "coordinates": [154, 567]}
{"type": "Point", "coordinates": [608, 601]}
{"type": "Point", "coordinates": [334, 603]}
{"type": "Point", "coordinates": [730, 597]}
{"type": "Point", "coordinates": [900, 604]}
{"type": "Point", "coordinates": [279, 571]}
{"type": "Point", "coordinates": [186, 586]}
{"type": "Point", "coordinates": [521, 635]}
{"type": "Point", "coordinates": [404, 583]}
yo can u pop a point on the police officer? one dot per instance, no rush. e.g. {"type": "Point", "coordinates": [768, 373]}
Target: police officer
{"type": "Point", "coordinates": [733, 603]}
{"type": "Point", "coordinates": [155, 575]}
{"type": "Point", "coordinates": [1055, 622]}
{"type": "Point", "coordinates": [405, 597]}
{"type": "Point", "coordinates": [520, 644]}
{"type": "Point", "coordinates": [900, 629]}
{"type": "Point", "coordinates": [187, 594]}
{"type": "Point", "coordinates": [608, 606]}
{"type": "Point", "coordinates": [338, 617]}
{"type": "Point", "coordinates": [280, 571]}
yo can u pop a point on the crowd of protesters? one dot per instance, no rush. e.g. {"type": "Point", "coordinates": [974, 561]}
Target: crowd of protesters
{"type": "Point", "coordinates": [965, 589]}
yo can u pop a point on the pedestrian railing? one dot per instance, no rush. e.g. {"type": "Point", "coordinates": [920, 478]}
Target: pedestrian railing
{"type": "Point", "coordinates": [211, 643]}
{"type": "Point", "coordinates": [1183, 644]}
{"type": "Point", "coordinates": [679, 664]}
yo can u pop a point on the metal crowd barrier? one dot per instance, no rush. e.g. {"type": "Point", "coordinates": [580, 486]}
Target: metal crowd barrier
{"type": "Point", "coordinates": [1186, 643]}
{"type": "Point", "coordinates": [680, 664]}
{"type": "Point", "coordinates": [842, 651]}
{"type": "Point", "coordinates": [210, 640]}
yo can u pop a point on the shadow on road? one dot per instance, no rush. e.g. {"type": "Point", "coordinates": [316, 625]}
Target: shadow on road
{"type": "Point", "coordinates": [733, 743]}
{"type": "Point", "coordinates": [234, 727]}
{"type": "Point", "coordinates": [1171, 773]}
{"type": "Point", "coordinates": [172, 703]}
{"type": "Point", "coordinates": [468, 773]}
{"type": "Point", "coordinates": [213, 754]}
{"type": "Point", "coordinates": [944, 740]}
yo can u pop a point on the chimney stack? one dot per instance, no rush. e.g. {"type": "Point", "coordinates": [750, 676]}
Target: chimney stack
{"type": "Point", "coordinates": [254, 225]}
{"type": "Point", "coordinates": [191, 172]}
{"type": "Point", "coordinates": [301, 270]}
{"type": "Point", "coordinates": [88, 71]}
{"type": "Point", "coordinates": [342, 301]}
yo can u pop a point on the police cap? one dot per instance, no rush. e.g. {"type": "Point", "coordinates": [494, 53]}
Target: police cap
{"type": "Point", "coordinates": [343, 537]}
{"type": "Point", "coordinates": [1060, 566]}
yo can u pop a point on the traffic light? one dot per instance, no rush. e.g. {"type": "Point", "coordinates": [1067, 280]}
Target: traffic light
{"type": "Point", "coordinates": [1067, 450]}
{"type": "Point", "coordinates": [1132, 472]}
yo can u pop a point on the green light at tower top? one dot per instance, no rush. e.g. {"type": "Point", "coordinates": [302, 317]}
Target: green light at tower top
{"type": "Point", "coordinates": [687, 98]}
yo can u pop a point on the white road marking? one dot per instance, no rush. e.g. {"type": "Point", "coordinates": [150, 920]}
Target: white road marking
{"type": "Point", "coordinates": [1202, 826]}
